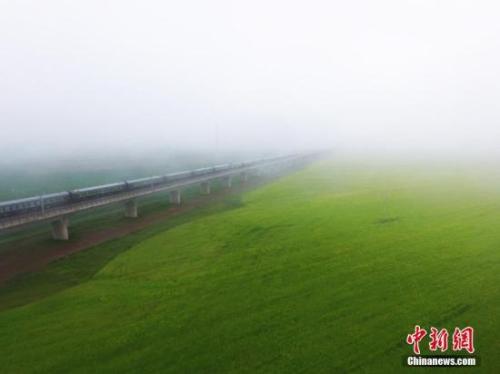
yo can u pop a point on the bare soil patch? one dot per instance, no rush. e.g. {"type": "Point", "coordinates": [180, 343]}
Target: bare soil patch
{"type": "Point", "coordinates": [29, 256]}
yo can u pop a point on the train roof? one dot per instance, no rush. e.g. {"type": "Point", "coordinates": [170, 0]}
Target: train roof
{"type": "Point", "coordinates": [19, 201]}
{"type": "Point", "coordinates": [95, 188]}
{"type": "Point", "coordinates": [144, 179]}
{"type": "Point", "coordinates": [222, 166]}
{"type": "Point", "coordinates": [32, 198]}
{"type": "Point", "coordinates": [184, 172]}
{"type": "Point", "coordinates": [55, 194]}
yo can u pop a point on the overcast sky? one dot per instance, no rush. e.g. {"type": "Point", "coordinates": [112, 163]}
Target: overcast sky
{"type": "Point", "coordinates": [385, 74]}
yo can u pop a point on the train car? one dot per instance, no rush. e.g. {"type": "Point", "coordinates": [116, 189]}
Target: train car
{"type": "Point", "coordinates": [222, 167]}
{"type": "Point", "coordinates": [172, 177]}
{"type": "Point", "coordinates": [145, 182]}
{"type": "Point", "coordinates": [33, 204]}
{"type": "Point", "coordinates": [97, 191]}
{"type": "Point", "coordinates": [201, 171]}
{"type": "Point", "coordinates": [14, 207]}
{"type": "Point", "coordinates": [54, 199]}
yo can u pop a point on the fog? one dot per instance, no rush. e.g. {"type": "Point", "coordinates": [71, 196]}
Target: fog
{"type": "Point", "coordinates": [276, 76]}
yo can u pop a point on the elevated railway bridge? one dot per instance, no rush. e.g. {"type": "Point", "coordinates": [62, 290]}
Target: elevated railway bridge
{"type": "Point", "coordinates": [57, 207]}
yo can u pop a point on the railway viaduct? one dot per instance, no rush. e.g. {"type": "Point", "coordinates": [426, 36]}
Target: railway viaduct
{"type": "Point", "coordinates": [58, 216]}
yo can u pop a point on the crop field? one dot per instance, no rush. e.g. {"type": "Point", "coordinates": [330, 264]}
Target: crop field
{"type": "Point", "coordinates": [324, 270]}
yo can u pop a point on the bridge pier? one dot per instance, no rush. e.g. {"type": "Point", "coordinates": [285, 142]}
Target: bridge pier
{"type": "Point", "coordinates": [60, 229]}
{"type": "Point", "coordinates": [59, 209]}
{"type": "Point", "coordinates": [205, 188]}
{"type": "Point", "coordinates": [175, 197]}
{"type": "Point", "coordinates": [131, 209]}
{"type": "Point", "coordinates": [228, 181]}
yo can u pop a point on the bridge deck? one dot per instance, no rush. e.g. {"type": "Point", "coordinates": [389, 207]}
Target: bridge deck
{"type": "Point", "coordinates": [73, 207]}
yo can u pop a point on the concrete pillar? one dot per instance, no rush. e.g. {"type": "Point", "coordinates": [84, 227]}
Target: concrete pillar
{"type": "Point", "coordinates": [244, 176]}
{"type": "Point", "coordinates": [175, 197]}
{"type": "Point", "coordinates": [60, 229]}
{"type": "Point", "coordinates": [131, 209]}
{"type": "Point", "coordinates": [205, 188]}
{"type": "Point", "coordinates": [228, 181]}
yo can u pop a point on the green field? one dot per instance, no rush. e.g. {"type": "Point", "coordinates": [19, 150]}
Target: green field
{"type": "Point", "coordinates": [325, 270]}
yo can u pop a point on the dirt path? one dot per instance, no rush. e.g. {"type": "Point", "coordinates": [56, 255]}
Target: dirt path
{"type": "Point", "coordinates": [22, 260]}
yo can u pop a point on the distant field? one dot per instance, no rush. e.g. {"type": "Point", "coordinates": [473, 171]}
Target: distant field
{"type": "Point", "coordinates": [326, 270]}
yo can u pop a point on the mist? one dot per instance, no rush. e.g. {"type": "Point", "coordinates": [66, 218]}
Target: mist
{"type": "Point", "coordinates": [94, 77]}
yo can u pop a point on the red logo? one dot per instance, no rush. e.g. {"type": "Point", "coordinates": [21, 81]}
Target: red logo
{"type": "Point", "coordinates": [439, 339]}
{"type": "Point", "coordinates": [463, 339]}
{"type": "Point", "coordinates": [415, 338]}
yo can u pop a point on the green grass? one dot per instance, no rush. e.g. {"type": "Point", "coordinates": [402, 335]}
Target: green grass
{"type": "Point", "coordinates": [325, 270]}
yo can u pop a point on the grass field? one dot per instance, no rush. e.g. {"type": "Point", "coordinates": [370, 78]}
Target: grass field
{"type": "Point", "coordinates": [326, 270]}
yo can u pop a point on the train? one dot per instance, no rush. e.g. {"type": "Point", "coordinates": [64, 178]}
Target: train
{"type": "Point", "coordinates": [49, 201]}
{"type": "Point", "coordinates": [54, 200]}
{"type": "Point", "coordinates": [37, 203]}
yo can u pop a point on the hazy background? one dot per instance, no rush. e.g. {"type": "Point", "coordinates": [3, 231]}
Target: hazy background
{"type": "Point", "coordinates": [96, 78]}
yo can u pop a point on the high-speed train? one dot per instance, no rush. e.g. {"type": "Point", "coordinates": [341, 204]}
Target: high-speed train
{"type": "Point", "coordinates": [44, 202]}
